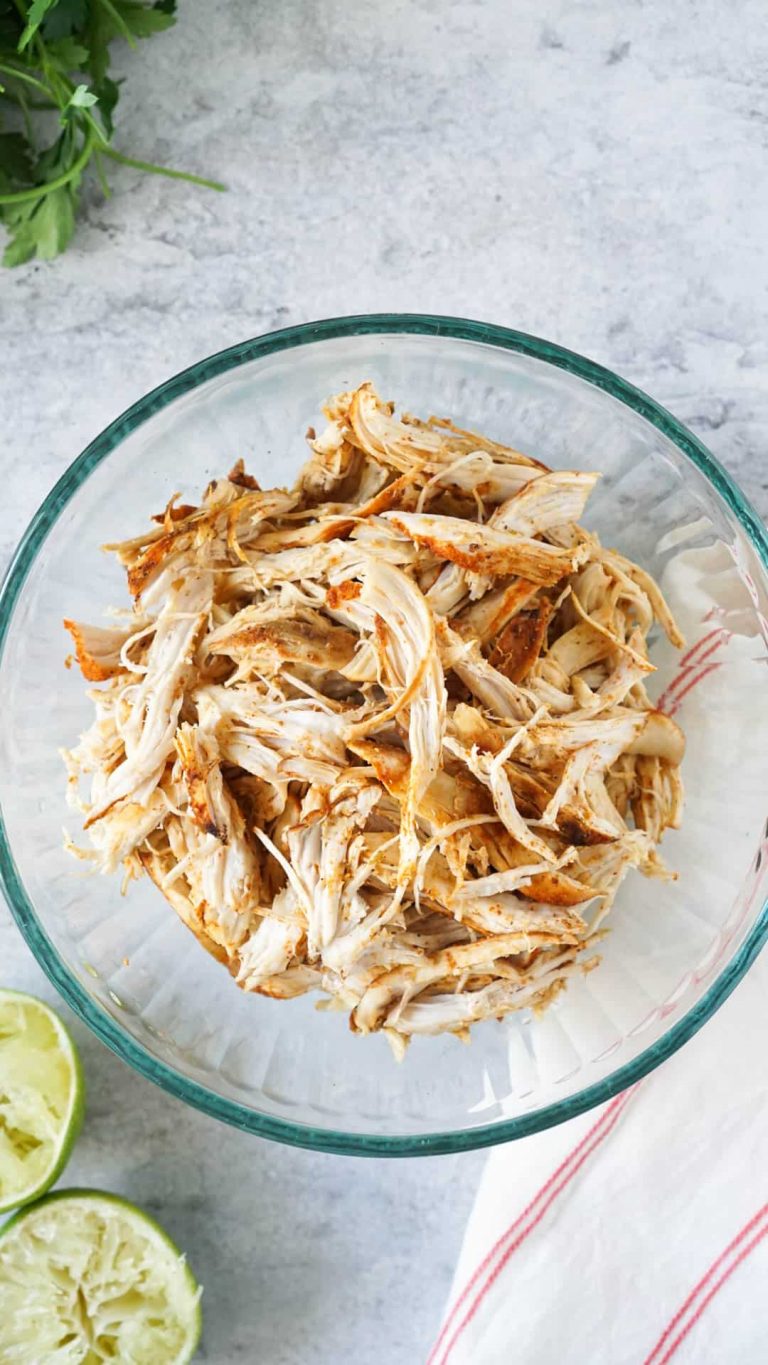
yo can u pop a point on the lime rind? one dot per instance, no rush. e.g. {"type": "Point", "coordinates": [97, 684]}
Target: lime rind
{"type": "Point", "coordinates": [102, 1276]}
{"type": "Point", "coordinates": [42, 1098]}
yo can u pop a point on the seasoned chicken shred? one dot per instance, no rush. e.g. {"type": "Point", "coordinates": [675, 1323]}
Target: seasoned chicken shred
{"type": "Point", "coordinates": [385, 735]}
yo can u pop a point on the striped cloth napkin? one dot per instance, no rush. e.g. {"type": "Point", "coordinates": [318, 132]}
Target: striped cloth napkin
{"type": "Point", "coordinates": [637, 1233]}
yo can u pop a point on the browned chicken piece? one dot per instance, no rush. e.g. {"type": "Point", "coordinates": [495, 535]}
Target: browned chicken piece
{"type": "Point", "coordinates": [266, 646]}
{"type": "Point", "coordinates": [484, 619]}
{"type": "Point", "coordinates": [99, 651]}
{"type": "Point", "coordinates": [520, 643]}
{"type": "Point", "coordinates": [485, 550]}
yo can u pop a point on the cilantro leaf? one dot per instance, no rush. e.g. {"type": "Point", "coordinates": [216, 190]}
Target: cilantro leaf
{"type": "Point", "coordinates": [35, 15]}
{"type": "Point", "coordinates": [99, 32]}
{"type": "Point", "coordinates": [54, 66]}
{"type": "Point", "coordinates": [52, 161]}
{"type": "Point", "coordinates": [15, 158]}
{"type": "Point", "coordinates": [67, 54]}
{"type": "Point", "coordinates": [107, 93]}
{"type": "Point", "coordinates": [46, 230]}
{"type": "Point", "coordinates": [66, 17]}
{"type": "Point", "coordinates": [21, 246]}
{"type": "Point", "coordinates": [140, 21]}
{"type": "Point", "coordinates": [81, 98]}
{"type": "Point", "coordinates": [54, 222]}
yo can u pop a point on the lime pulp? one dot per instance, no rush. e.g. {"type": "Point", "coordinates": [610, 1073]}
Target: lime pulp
{"type": "Point", "coordinates": [86, 1277]}
{"type": "Point", "coordinates": [42, 1098]}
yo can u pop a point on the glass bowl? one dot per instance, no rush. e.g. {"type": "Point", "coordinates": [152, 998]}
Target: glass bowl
{"type": "Point", "coordinates": [132, 971]}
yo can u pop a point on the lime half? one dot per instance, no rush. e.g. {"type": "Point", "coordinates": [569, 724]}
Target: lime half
{"type": "Point", "coordinates": [41, 1098]}
{"type": "Point", "coordinates": [86, 1277]}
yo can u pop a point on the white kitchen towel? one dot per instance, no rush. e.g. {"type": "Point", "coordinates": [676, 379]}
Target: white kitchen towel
{"type": "Point", "coordinates": [638, 1232]}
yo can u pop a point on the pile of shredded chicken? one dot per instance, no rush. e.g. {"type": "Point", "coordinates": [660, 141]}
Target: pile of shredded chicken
{"type": "Point", "coordinates": [385, 735]}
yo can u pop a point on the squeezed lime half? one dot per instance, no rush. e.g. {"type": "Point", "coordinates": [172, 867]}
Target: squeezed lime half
{"type": "Point", "coordinates": [42, 1098]}
{"type": "Point", "coordinates": [86, 1277]}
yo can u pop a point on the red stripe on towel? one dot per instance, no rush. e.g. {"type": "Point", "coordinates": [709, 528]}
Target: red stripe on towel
{"type": "Point", "coordinates": [689, 686]}
{"type": "Point", "coordinates": [538, 1206]}
{"type": "Point", "coordinates": [687, 665]}
{"type": "Point", "coordinates": [466, 1291]}
{"type": "Point", "coordinates": [655, 1358]}
{"type": "Point", "coordinates": [686, 659]}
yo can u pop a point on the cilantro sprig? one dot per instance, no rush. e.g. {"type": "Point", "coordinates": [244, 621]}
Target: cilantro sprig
{"type": "Point", "coordinates": [57, 101]}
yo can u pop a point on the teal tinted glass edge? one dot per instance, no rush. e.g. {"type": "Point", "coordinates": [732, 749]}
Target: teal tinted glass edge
{"type": "Point", "coordinates": [103, 1025]}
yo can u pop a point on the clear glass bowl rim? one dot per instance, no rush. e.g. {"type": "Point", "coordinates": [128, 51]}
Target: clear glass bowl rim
{"type": "Point", "coordinates": [102, 1024]}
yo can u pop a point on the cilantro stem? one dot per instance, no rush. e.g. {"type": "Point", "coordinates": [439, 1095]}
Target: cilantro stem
{"type": "Point", "coordinates": [24, 106]}
{"type": "Point", "coordinates": [19, 99]}
{"type": "Point", "coordinates": [48, 186]}
{"type": "Point", "coordinates": [118, 21]}
{"type": "Point", "coordinates": [36, 104]}
{"type": "Point", "coordinates": [106, 191]}
{"type": "Point", "coordinates": [64, 78]}
{"type": "Point", "coordinates": [29, 80]}
{"type": "Point", "coordinates": [151, 169]}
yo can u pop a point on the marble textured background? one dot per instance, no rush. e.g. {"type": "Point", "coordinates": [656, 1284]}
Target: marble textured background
{"type": "Point", "coordinates": [593, 173]}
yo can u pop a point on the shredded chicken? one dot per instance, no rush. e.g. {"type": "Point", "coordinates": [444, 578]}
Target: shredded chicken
{"type": "Point", "coordinates": [383, 736]}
